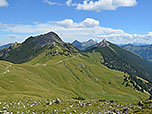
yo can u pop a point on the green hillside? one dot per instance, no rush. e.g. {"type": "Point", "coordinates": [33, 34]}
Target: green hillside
{"type": "Point", "coordinates": [43, 68]}
{"type": "Point", "coordinates": [50, 68]}
{"type": "Point", "coordinates": [119, 59]}
{"type": "Point", "coordinates": [33, 46]}
{"type": "Point", "coordinates": [66, 78]}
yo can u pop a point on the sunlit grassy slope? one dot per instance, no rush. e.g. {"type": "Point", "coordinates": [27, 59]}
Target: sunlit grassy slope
{"type": "Point", "coordinates": [64, 76]}
{"type": "Point", "coordinates": [46, 67]}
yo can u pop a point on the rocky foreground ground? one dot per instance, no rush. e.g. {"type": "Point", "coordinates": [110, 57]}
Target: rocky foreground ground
{"type": "Point", "coordinates": [49, 106]}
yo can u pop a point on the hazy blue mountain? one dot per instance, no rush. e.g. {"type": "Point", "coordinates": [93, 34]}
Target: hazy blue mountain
{"type": "Point", "coordinates": [5, 46]}
{"type": "Point", "coordinates": [143, 50]}
{"type": "Point", "coordinates": [83, 45]}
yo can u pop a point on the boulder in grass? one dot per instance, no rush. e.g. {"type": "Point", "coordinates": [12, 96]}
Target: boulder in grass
{"type": "Point", "coordinates": [58, 101]}
{"type": "Point", "coordinates": [150, 98]}
{"type": "Point", "coordinates": [140, 103]}
{"type": "Point", "coordinates": [125, 110]}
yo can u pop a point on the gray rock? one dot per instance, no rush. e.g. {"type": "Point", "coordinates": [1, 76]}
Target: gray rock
{"type": "Point", "coordinates": [140, 103]}
{"type": "Point", "coordinates": [58, 101]}
{"type": "Point", "coordinates": [150, 98]}
{"type": "Point", "coordinates": [74, 111]}
{"type": "Point", "coordinates": [125, 110]}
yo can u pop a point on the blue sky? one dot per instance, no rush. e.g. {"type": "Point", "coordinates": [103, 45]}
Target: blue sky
{"type": "Point", "coordinates": [119, 21]}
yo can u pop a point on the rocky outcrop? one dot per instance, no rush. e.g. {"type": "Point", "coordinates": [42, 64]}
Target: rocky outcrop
{"type": "Point", "coordinates": [47, 39]}
{"type": "Point", "coordinates": [103, 43]}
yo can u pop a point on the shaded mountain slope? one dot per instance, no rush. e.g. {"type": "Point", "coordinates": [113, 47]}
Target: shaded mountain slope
{"type": "Point", "coordinates": [32, 47]}
{"type": "Point", "coordinates": [117, 58]}
{"type": "Point", "coordinates": [125, 61]}
{"type": "Point", "coordinates": [144, 50]}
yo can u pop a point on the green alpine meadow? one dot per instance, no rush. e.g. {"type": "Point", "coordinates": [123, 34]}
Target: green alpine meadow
{"type": "Point", "coordinates": [44, 74]}
{"type": "Point", "coordinates": [75, 57]}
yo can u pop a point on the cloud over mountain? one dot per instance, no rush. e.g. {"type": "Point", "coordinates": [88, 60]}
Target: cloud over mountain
{"type": "Point", "coordinates": [70, 30]}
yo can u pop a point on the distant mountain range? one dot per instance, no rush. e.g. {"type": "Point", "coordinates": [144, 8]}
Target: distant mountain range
{"type": "Point", "coordinates": [5, 46]}
{"type": "Point", "coordinates": [144, 51]}
{"type": "Point", "coordinates": [83, 45]}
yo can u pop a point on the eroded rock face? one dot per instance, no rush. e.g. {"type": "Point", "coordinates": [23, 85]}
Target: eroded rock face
{"type": "Point", "coordinates": [47, 39]}
{"type": "Point", "coordinates": [104, 43]}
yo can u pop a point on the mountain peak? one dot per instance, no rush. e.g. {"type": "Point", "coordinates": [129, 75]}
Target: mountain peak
{"type": "Point", "coordinates": [103, 43]}
{"type": "Point", "coordinates": [30, 48]}
{"type": "Point", "coordinates": [83, 45]}
{"type": "Point", "coordinates": [91, 40]}
{"type": "Point", "coordinates": [47, 39]}
{"type": "Point", "coordinates": [51, 36]}
{"type": "Point", "coordinates": [75, 41]}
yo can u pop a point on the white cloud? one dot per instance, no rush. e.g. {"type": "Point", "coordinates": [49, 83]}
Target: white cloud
{"type": "Point", "coordinates": [66, 23]}
{"type": "Point", "coordinates": [70, 30]}
{"type": "Point", "coordinates": [13, 36]}
{"type": "Point", "coordinates": [101, 5]}
{"type": "Point", "coordinates": [35, 22]}
{"type": "Point", "coordinates": [3, 3]}
{"type": "Point", "coordinates": [68, 2]}
{"type": "Point", "coordinates": [51, 3]}
{"type": "Point", "coordinates": [96, 5]}
{"type": "Point", "coordinates": [87, 23]}
{"type": "Point", "coordinates": [3, 25]}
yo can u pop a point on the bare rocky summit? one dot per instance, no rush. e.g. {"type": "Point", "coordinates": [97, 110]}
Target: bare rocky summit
{"type": "Point", "coordinates": [103, 43]}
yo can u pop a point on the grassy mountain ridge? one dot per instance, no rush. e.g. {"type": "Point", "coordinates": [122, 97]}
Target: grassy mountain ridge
{"type": "Point", "coordinates": [77, 77]}
{"type": "Point", "coordinates": [30, 48]}
{"type": "Point", "coordinates": [51, 68]}
{"type": "Point", "coordinates": [119, 59]}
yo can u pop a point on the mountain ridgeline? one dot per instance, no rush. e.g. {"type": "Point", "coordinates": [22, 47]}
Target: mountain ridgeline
{"type": "Point", "coordinates": [32, 47]}
{"type": "Point", "coordinates": [144, 51]}
{"type": "Point", "coordinates": [83, 45]}
{"type": "Point", "coordinates": [5, 46]}
{"type": "Point", "coordinates": [45, 64]}
{"type": "Point", "coordinates": [120, 59]}
{"type": "Point", "coordinates": [117, 58]}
